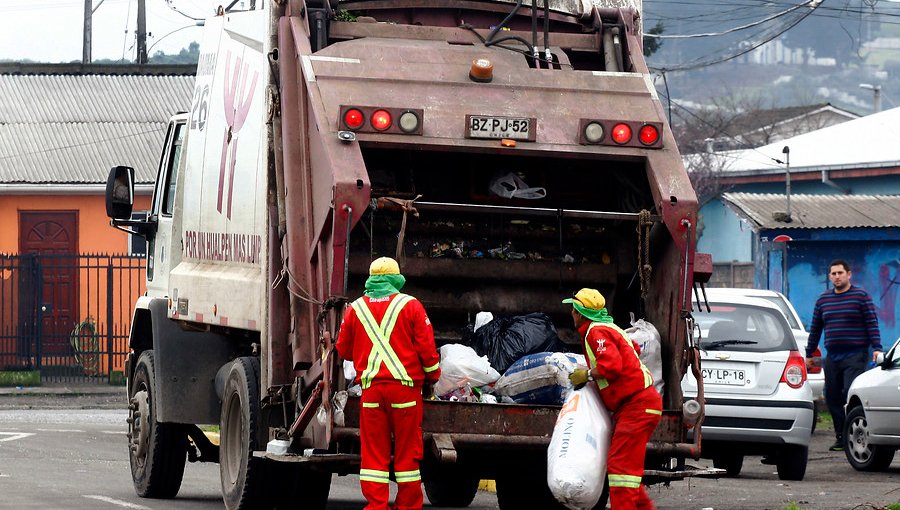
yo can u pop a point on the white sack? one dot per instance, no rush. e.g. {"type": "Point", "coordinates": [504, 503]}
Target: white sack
{"type": "Point", "coordinates": [576, 457]}
{"type": "Point", "coordinates": [647, 337]}
{"type": "Point", "coordinates": [461, 365]}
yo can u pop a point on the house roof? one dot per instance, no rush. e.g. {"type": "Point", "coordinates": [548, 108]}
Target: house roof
{"type": "Point", "coordinates": [817, 211]}
{"type": "Point", "coordinates": [72, 128]}
{"type": "Point", "coordinates": [760, 119]}
{"type": "Point", "coordinates": [867, 142]}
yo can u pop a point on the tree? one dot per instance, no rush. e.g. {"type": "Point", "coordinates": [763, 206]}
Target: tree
{"type": "Point", "coordinates": [189, 55]}
{"type": "Point", "coordinates": [653, 44]}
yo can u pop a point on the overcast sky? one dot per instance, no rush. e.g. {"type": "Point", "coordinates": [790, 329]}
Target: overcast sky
{"type": "Point", "coordinates": [51, 30]}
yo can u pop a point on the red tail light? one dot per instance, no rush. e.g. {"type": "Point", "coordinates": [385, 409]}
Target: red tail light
{"type": "Point", "coordinates": [353, 119]}
{"type": "Point", "coordinates": [648, 134]}
{"type": "Point", "coordinates": [816, 367]}
{"type": "Point", "coordinates": [381, 120]}
{"type": "Point", "coordinates": [621, 133]}
{"type": "Point", "coordinates": [794, 374]}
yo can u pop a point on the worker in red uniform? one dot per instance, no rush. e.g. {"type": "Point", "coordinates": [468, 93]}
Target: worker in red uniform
{"type": "Point", "coordinates": [390, 340]}
{"type": "Point", "coordinates": [627, 391]}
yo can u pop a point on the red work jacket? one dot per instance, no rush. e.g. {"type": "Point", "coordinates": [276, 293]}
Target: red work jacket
{"type": "Point", "coordinates": [622, 374]}
{"type": "Point", "coordinates": [408, 356]}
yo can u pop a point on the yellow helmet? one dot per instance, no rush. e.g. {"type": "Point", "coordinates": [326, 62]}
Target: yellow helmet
{"type": "Point", "coordinates": [384, 265]}
{"type": "Point", "coordinates": [588, 298]}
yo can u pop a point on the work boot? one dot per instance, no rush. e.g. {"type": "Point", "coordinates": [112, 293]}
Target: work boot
{"type": "Point", "coordinates": [838, 446]}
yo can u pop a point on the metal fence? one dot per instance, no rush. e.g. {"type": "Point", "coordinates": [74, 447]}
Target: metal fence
{"type": "Point", "coordinates": [68, 316]}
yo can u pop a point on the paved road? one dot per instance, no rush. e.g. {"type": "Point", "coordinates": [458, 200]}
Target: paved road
{"type": "Point", "coordinates": [76, 459]}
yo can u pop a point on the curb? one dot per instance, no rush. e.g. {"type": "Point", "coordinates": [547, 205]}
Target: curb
{"type": "Point", "coordinates": [488, 485]}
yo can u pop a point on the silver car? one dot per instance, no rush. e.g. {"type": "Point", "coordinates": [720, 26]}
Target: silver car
{"type": "Point", "coordinates": [758, 401]}
{"type": "Point", "coordinates": [873, 415]}
{"type": "Point", "coordinates": [815, 376]}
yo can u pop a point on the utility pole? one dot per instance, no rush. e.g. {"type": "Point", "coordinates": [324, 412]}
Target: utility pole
{"type": "Point", "coordinates": [86, 46]}
{"type": "Point", "coordinates": [876, 99]}
{"type": "Point", "coordinates": [142, 32]}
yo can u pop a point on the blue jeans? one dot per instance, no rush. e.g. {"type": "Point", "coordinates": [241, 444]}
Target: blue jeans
{"type": "Point", "coordinates": [838, 377]}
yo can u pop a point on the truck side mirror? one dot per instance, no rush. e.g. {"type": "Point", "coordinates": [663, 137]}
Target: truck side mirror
{"type": "Point", "coordinates": [120, 192]}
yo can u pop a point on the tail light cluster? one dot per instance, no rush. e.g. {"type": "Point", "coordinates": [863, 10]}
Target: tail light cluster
{"type": "Point", "coordinates": [647, 135]}
{"type": "Point", "coordinates": [794, 374]}
{"type": "Point", "coordinates": [375, 119]}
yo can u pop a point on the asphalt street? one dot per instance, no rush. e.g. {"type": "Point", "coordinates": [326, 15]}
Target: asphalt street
{"type": "Point", "coordinates": [69, 452]}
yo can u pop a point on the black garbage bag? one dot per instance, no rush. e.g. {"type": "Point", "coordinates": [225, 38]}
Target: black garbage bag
{"type": "Point", "coordinates": [506, 339]}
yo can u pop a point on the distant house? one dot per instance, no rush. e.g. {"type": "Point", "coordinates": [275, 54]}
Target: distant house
{"type": "Point", "coordinates": [62, 127]}
{"type": "Point", "coordinates": [762, 127]}
{"type": "Point", "coordinates": [793, 257]}
{"type": "Point", "coordinates": [857, 157]}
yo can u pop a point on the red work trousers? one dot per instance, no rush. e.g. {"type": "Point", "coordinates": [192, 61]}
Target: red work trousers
{"type": "Point", "coordinates": [391, 411]}
{"type": "Point", "coordinates": [633, 424]}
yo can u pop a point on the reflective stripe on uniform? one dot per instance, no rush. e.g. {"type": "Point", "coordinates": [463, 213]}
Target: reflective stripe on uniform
{"type": "Point", "coordinates": [403, 405]}
{"type": "Point", "coordinates": [370, 405]}
{"type": "Point", "coordinates": [407, 476]}
{"type": "Point", "coordinates": [648, 379]}
{"type": "Point", "coordinates": [592, 360]}
{"type": "Point", "coordinates": [653, 411]}
{"type": "Point", "coordinates": [374, 475]}
{"type": "Point", "coordinates": [432, 368]}
{"type": "Point", "coordinates": [380, 335]}
{"type": "Point", "coordinates": [626, 481]}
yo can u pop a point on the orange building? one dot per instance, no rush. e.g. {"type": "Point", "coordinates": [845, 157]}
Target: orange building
{"type": "Point", "coordinates": [68, 280]}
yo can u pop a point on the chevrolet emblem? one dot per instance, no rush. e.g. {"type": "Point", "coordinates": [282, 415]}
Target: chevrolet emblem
{"type": "Point", "coordinates": [723, 356]}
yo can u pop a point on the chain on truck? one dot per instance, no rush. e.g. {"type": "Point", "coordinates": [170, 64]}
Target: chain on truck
{"type": "Point", "coordinates": [325, 134]}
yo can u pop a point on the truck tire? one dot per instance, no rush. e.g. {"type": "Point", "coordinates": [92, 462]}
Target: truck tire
{"type": "Point", "coordinates": [241, 474]}
{"type": "Point", "coordinates": [732, 463]}
{"type": "Point", "coordinates": [518, 492]}
{"type": "Point", "coordinates": [299, 488]}
{"type": "Point", "coordinates": [791, 462]}
{"type": "Point", "coordinates": [862, 455]}
{"type": "Point", "coordinates": [157, 451]}
{"type": "Point", "coordinates": [450, 486]}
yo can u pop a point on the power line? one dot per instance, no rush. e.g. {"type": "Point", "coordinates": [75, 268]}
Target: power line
{"type": "Point", "coordinates": [72, 146]}
{"type": "Point", "coordinates": [735, 29]}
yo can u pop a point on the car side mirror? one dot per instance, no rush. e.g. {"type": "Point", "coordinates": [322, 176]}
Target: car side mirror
{"type": "Point", "coordinates": [879, 360]}
{"type": "Point", "coordinates": [120, 192]}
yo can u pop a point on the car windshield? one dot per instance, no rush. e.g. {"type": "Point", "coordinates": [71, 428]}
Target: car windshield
{"type": "Point", "coordinates": [738, 327]}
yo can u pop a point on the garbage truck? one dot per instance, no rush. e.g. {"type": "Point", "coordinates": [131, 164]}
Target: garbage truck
{"type": "Point", "coordinates": [505, 153]}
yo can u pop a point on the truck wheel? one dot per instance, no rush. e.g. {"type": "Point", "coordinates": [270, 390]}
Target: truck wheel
{"type": "Point", "coordinates": [157, 450]}
{"type": "Point", "coordinates": [299, 488]}
{"type": "Point", "coordinates": [450, 486]}
{"type": "Point", "coordinates": [731, 463]}
{"type": "Point", "coordinates": [861, 454]}
{"type": "Point", "coordinates": [241, 473]}
{"type": "Point", "coordinates": [791, 462]}
{"type": "Point", "coordinates": [518, 492]}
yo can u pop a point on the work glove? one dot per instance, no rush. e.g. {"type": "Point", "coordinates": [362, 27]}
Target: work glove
{"type": "Point", "coordinates": [580, 377]}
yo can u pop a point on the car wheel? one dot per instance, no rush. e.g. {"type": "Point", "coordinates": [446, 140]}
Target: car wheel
{"type": "Point", "coordinates": [862, 455]}
{"type": "Point", "coordinates": [791, 462]}
{"type": "Point", "coordinates": [731, 463]}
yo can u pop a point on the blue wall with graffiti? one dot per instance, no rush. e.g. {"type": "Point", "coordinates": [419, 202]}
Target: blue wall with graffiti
{"type": "Point", "coordinates": [873, 255]}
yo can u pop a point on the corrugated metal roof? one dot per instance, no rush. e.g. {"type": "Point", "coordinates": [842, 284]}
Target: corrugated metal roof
{"type": "Point", "coordinates": [72, 128]}
{"type": "Point", "coordinates": [817, 211]}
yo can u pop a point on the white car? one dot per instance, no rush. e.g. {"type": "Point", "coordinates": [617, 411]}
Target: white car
{"type": "Point", "coordinates": [815, 376]}
{"type": "Point", "coordinates": [758, 401]}
{"type": "Point", "coordinates": [872, 429]}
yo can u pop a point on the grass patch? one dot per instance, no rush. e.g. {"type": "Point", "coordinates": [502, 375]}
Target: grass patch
{"type": "Point", "coordinates": [893, 506]}
{"type": "Point", "coordinates": [20, 378]}
{"type": "Point", "coordinates": [792, 506]}
{"type": "Point", "coordinates": [117, 379]}
{"type": "Point", "coordinates": [209, 428]}
{"type": "Point", "coordinates": [825, 422]}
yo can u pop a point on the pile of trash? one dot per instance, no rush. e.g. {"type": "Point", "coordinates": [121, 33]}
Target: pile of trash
{"type": "Point", "coordinates": [521, 360]}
